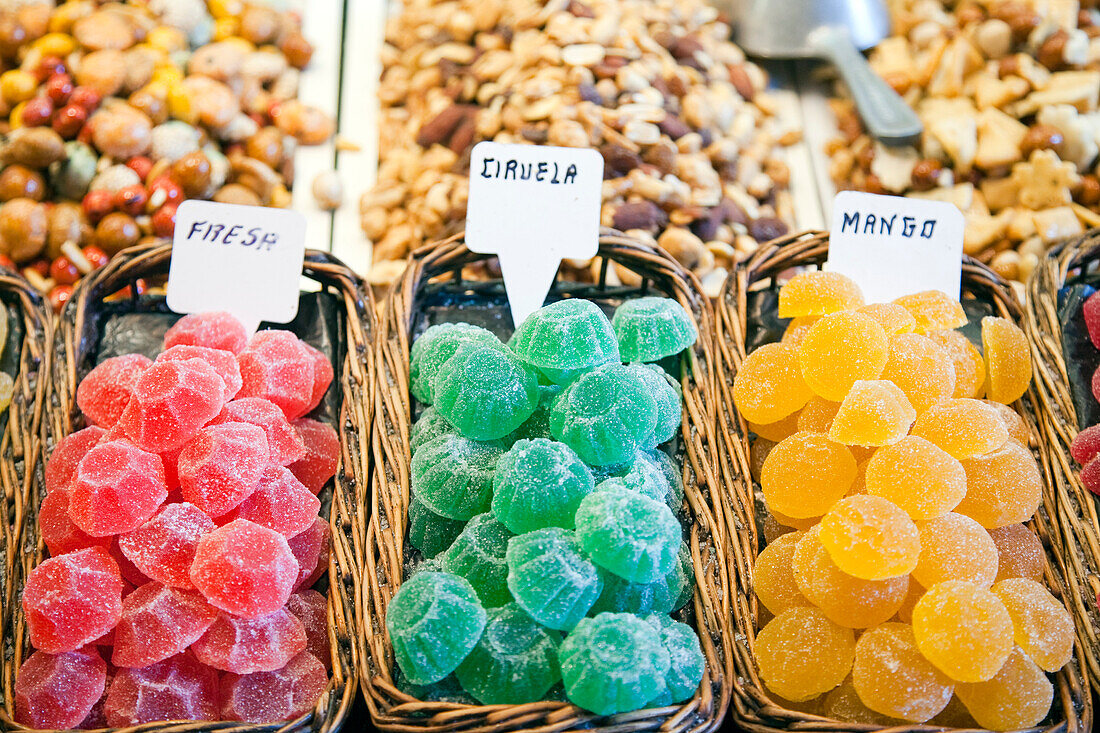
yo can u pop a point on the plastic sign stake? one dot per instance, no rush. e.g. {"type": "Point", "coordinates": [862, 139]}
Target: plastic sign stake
{"type": "Point", "coordinates": [532, 206]}
{"type": "Point", "coordinates": [246, 260]}
{"type": "Point", "coordinates": [893, 246]}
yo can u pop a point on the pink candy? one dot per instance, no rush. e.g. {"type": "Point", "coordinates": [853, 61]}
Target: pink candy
{"type": "Point", "coordinates": [215, 330]}
{"type": "Point", "coordinates": [172, 400]}
{"type": "Point", "coordinates": [1091, 312]}
{"type": "Point", "coordinates": [159, 622]}
{"type": "Point", "coordinates": [72, 600]}
{"type": "Point", "coordinates": [58, 691]}
{"type": "Point", "coordinates": [244, 645]}
{"type": "Point", "coordinates": [58, 530]}
{"type": "Point", "coordinates": [223, 362]}
{"type": "Point", "coordinates": [280, 502]}
{"type": "Point", "coordinates": [164, 547]}
{"type": "Point", "coordinates": [322, 375]}
{"type": "Point", "coordinates": [311, 550]}
{"type": "Point", "coordinates": [179, 688]}
{"type": "Point", "coordinates": [311, 608]}
{"type": "Point", "coordinates": [269, 697]}
{"type": "Point", "coordinates": [222, 466]}
{"type": "Point", "coordinates": [244, 569]}
{"type": "Point", "coordinates": [322, 454]}
{"type": "Point", "coordinates": [283, 441]}
{"type": "Point", "coordinates": [61, 468]}
{"type": "Point", "coordinates": [275, 366]}
{"type": "Point", "coordinates": [117, 488]}
{"type": "Point", "coordinates": [105, 391]}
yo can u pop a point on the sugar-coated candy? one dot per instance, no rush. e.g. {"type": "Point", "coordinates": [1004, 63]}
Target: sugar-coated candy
{"type": "Point", "coordinates": [58, 531]}
{"type": "Point", "coordinates": [870, 537]}
{"type": "Point", "coordinates": [1041, 625]}
{"type": "Point", "coordinates": [276, 367]}
{"type": "Point", "coordinates": [477, 554]}
{"type": "Point", "coordinates": [1090, 476]}
{"type": "Point", "coordinates": [842, 703]}
{"type": "Point", "coordinates": [429, 425]}
{"type": "Point", "coordinates": [103, 393]}
{"type": "Point", "coordinates": [967, 361]}
{"type": "Point", "coordinates": [66, 455]}
{"type": "Point", "coordinates": [538, 425]}
{"type": "Point", "coordinates": [322, 374]}
{"type": "Point", "coordinates": [311, 550]}
{"type": "Point", "coordinates": [311, 608]}
{"type": "Point", "coordinates": [891, 676]}
{"type": "Point", "coordinates": [933, 310]}
{"type": "Point", "coordinates": [179, 688]}
{"type": "Point", "coordinates": [955, 715]}
{"type": "Point", "coordinates": [117, 488]}
{"type": "Point", "coordinates": [453, 475]}
{"type": "Point", "coordinates": [769, 385]}
{"type": "Point", "coordinates": [132, 576]}
{"type": "Point", "coordinates": [564, 336]}
{"type": "Point", "coordinates": [918, 476]}
{"type": "Point", "coordinates": [72, 600]}
{"type": "Point", "coordinates": [244, 569]}
{"type": "Point", "coordinates": [429, 532]}
{"type": "Point", "coordinates": [668, 399]}
{"type": "Point", "coordinates": [322, 454]}
{"type": "Point", "coordinates": [213, 329]}
{"type": "Point", "coordinates": [539, 483]}
{"type": "Point", "coordinates": [612, 663]}
{"type": "Point", "coordinates": [222, 465]}
{"type": "Point", "coordinates": [223, 362]}
{"type": "Point", "coordinates": [1007, 360]}
{"type": "Point", "coordinates": [962, 427]}
{"type": "Point", "coordinates": [822, 659]}
{"type": "Point", "coordinates": [434, 347]}
{"type": "Point", "coordinates": [893, 318]}
{"type": "Point", "coordinates": [1086, 445]}
{"type": "Point", "coordinates": [279, 502]}
{"type": "Point", "coordinates": [804, 475]}
{"type": "Point", "coordinates": [57, 691]}
{"type": "Point", "coordinates": [687, 663]}
{"type": "Point", "coordinates": [1014, 424]}
{"type": "Point", "coordinates": [963, 629]}
{"type": "Point", "coordinates": [164, 547]}
{"type": "Point", "coordinates": [778, 430]}
{"type": "Point", "coordinates": [841, 349]}
{"type": "Point", "coordinates": [663, 595]}
{"type": "Point", "coordinates": [484, 391]}
{"type": "Point", "coordinates": [1002, 487]}
{"type": "Point", "coordinates": [651, 328]}
{"type": "Point", "coordinates": [550, 577]}
{"type": "Point", "coordinates": [1090, 312]}
{"type": "Point", "coordinates": [270, 697]}
{"type": "Point", "coordinates": [772, 579]}
{"type": "Point", "coordinates": [651, 473]}
{"type": "Point", "coordinates": [818, 415]}
{"type": "Point", "coordinates": [1019, 552]}
{"type": "Point", "coordinates": [171, 401]}
{"type": "Point", "coordinates": [433, 620]}
{"type": "Point", "coordinates": [815, 293]}
{"type": "Point", "coordinates": [283, 441]}
{"type": "Point", "coordinates": [1018, 696]}
{"type": "Point", "coordinates": [605, 415]}
{"type": "Point", "coordinates": [955, 547]}
{"type": "Point", "coordinates": [246, 645]}
{"type": "Point", "coordinates": [875, 412]}
{"type": "Point", "coordinates": [158, 622]}
{"type": "Point", "coordinates": [797, 329]}
{"type": "Point", "coordinates": [921, 368]}
{"type": "Point", "coordinates": [515, 660]}
{"type": "Point", "coordinates": [628, 534]}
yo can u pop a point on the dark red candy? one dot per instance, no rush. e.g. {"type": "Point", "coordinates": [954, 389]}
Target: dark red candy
{"type": "Point", "coordinates": [322, 374]}
{"type": "Point", "coordinates": [1090, 475]}
{"type": "Point", "coordinates": [171, 402]}
{"type": "Point", "coordinates": [215, 330]}
{"type": "Point", "coordinates": [59, 532]}
{"type": "Point", "coordinates": [270, 697]}
{"type": "Point", "coordinates": [246, 645]}
{"type": "Point", "coordinates": [311, 608]}
{"type": "Point", "coordinates": [164, 547]}
{"type": "Point", "coordinates": [72, 600]}
{"type": "Point", "coordinates": [322, 454]}
{"type": "Point", "coordinates": [96, 718]}
{"type": "Point", "coordinates": [223, 362]}
{"type": "Point", "coordinates": [131, 575]}
{"type": "Point", "coordinates": [244, 569]}
{"type": "Point", "coordinates": [118, 487]}
{"type": "Point", "coordinates": [104, 393]}
{"type": "Point", "coordinates": [222, 466]}
{"type": "Point", "coordinates": [311, 550]}
{"type": "Point", "coordinates": [283, 441]}
{"type": "Point", "coordinates": [1085, 445]}
{"type": "Point", "coordinates": [1091, 311]}
{"type": "Point", "coordinates": [179, 688]}
{"type": "Point", "coordinates": [61, 468]}
{"type": "Point", "coordinates": [58, 691]}
{"type": "Point", "coordinates": [276, 367]}
{"type": "Point", "coordinates": [280, 502]}
{"type": "Point", "coordinates": [159, 622]}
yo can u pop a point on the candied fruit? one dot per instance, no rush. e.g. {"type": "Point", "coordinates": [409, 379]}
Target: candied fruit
{"type": "Point", "coordinates": [477, 554]}
{"type": "Point", "coordinates": [322, 454]}
{"type": "Point", "coordinates": [815, 293]}
{"type": "Point", "coordinates": [628, 534]}
{"type": "Point", "coordinates": [1007, 360]}
{"type": "Point", "coordinates": [515, 661]}
{"type": "Point", "coordinates": [1086, 445]}
{"type": "Point", "coordinates": [955, 547]}
{"type": "Point", "coordinates": [874, 413]}
{"type": "Point", "coordinates": [916, 475]}
{"type": "Point", "coordinates": [822, 658]}
{"type": "Point", "coordinates": [1019, 552]}
{"type": "Point", "coordinates": [1002, 487]}
{"type": "Point", "coordinates": [651, 328]}
{"type": "Point", "coordinates": [247, 645]}
{"type": "Point", "coordinates": [550, 577]}
{"type": "Point", "coordinates": [963, 629]}
{"type": "Point", "coordinates": [429, 425]}
{"type": "Point", "coordinates": [893, 318]}
{"type": "Point", "coordinates": [271, 697]}
{"type": "Point", "coordinates": [769, 386]}
{"type": "Point", "coordinates": [171, 401]}
{"type": "Point", "coordinates": [283, 441]}
{"type": "Point", "coordinates": [222, 466]}
{"type": "Point", "coordinates": [434, 347]}
{"type": "Point", "coordinates": [870, 537]}
{"type": "Point", "coordinates": [214, 330]}
{"type": "Point", "coordinates": [179, 688]}
{"type": "Point", "coordinates": [567, 335]}
{"type": "Point", "coordinates": [485, 392]}
{"type": "Point", "coordinates": [891, 676]}
{"type": "Point", "coordinates": [453, 476]}
{"type": "Point", "coordinates": [159, 622]}
{"type": "Point", "coordinates": [842, 703]}
{"type": "Point", "coordinates": [933, 310]}
{"type": "Point", "coordinates": [962, 427]}
{"type": "Point", "coordinates": [244, 569]}
{"type": "Point", "coordinates": [223, 362]}
{"type": "Point", "coordinates": [117, 488]}
{"type": "Point", "coordinates": [1090, 312]}
{"type": "Point", "coordinates": [841, 349]}
{"type": "Point", "coordinates": [806, 474]}
{"type": "Point", "coordinates": [164, 547]}
{"type": "Point", "coordinates": [967, 361]}
{"type": "Point", "coordinates": [772, 578]}
{"type": "Point", "coordinates": [104, 392]}
{"type": "Point", "coordinates": [604, 415]}
{"type": "Point", "coordinates": [66, 455]}
{"type": "Point", "coordinates": [1018, 696]}
{"type": "Point", "coordinates": [323, 374]}
{"type": "Point", "coordinates": [57, 691]}
{"type": "Point", "coordinates": [664, 595]}
{"type": "Point", "coordinates": [921, 368]}
{"type": "Point", "coordinates": [72, 600]}
{"type": "Point", "coordinates": [539, 483]}
{"type": "Point", "coordinates": [274, 366]}
{"type": "Point", "coordinates": [1042, 626]}
{"type": "Point", "coordinates": [279, 502]}
{"type": "Point", "coordinates": [1013, 422]}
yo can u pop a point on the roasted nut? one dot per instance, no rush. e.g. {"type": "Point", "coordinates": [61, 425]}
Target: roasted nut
{"type": "Point", "coordinates": [19, 181]}
{"type": "Point", "coordinates": [22, 229]}
{"type": "Point", "coordinates": [115, 232]}
{"type": "Point", "coordinates": [34, 147]}
{"type": "Point", "coordinates": [1052, 51]}
{"type": "Point", "coordinates": [1041, 137]}
{"type": "Point", "coordinates": [235, 193]}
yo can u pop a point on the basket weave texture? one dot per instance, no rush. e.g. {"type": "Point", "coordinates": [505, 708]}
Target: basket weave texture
{"type": "Point", "coordinates": [753, 707]}
{"type": "Point", "coordinates": [393, 710]}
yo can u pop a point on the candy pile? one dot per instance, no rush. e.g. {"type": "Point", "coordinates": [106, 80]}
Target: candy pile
{"type": "Point", "coordinates": [1086, 444]}
{"type": "Point", "coordinates": [545, 509]}
{"type": "Point", "coordinates": [183, 535]}
{"type": "Point", "coordinates": [898, 570]}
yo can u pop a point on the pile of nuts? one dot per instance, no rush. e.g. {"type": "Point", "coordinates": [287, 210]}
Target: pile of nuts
{"type": "Point", "coordinates": [112, 113]}
{"type": "Point", "coordinates": [1008, 93]}
{"type": "Point", "coordinates": [691, 146]}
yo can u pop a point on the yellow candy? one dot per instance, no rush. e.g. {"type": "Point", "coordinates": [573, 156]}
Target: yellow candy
{"type": "Point", "coordinates": [797, 329]}
{"type": "Point", "coordinates": [771, 575]}
{"type": "Point", "coordinates": [841, 349]}
{"type": "Point", "coordinates": [772, 529]}
{"type": "Point", "coordinates": [874, 413]}
{"type": "Point", "coordinates": [17, 86]}
{"type": "Point", "coordinates": [1007, 360]}
{"type": "Point", "coordinates": [805, 474]}
{"type": "Point", "coordinates": [843, 704]}
{"type": "Point", "coordinates": [758, 453]}
{"type": "Point", "coordinates": [955, 547]}
{"type": "Point", "coordinates": [1019, 552]}
{"type": "Point", "coordinates": [933, 310]}
{"type": "Point", "coordinates": [892, 678]}
{"type": "Point", "coordinates": [801, 524]}
{"type": "Point", "coordinates": [1014, 424]}
{"type": "Point", "coordinates": [802, 654]}
{"type": "Point", "coordinates": [955, 715]}
{"type": "Point", "coordinates": [1019, 696]}
{"type": "Point", "coordinates": [912, 595]}
{"type": "Point", "coordinates": [1041, 625]}
{"type": "Point", "coordinates": [921, 368]}
{"type": "Point", "coordinates": [1002, 487]}
{"type": "Point", "coordinates": [55, 44]}
{"type": "Point", "coordinates": [893, 318]}
{"type": "Point", "coordinates": [777, 430]}
{"type": "Point", "coordinates": [816, 293]}
{"type": "Point", "coordinates": [964, 630]}
{"type": "Point", "coordinates": [859, 486]}
{"type": "Point", "coordinates": [769, 385]}
{"type": "Point", "coordinates": [920, 478]}
{"type": "Point", "coordinates": [817, 416]}
{"type": "Point", "coordinates": [166, 38]}
{"type": "Point", "coordinates": [963, 427]}
{"type": "Point", "coordinates": [968, 362]}
{"type": "Point", "coordinates": [870, 537]}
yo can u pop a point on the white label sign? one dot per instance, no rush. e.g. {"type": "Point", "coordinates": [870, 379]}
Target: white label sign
{"type": "Point", "coordinates": [893, 246]}
{"type": "Point", "coordinates": [246, 260]}
{"type": "Point", "coordinates": [532, 206]}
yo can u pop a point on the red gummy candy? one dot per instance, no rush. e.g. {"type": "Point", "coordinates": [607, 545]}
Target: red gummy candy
{"type": "Point", "coordinates": [58, 530]}
{"type": "Point", "coordinates": [178, 688]}
{"type": "Point", "coordinates": [223, 362]}
{"type": "Point", "coordinates": [72, 600]}
{"type": "Point", "coordinates": [311, 608]}
{"type": "Point", "coordinates": [131, 575]}
{"type": "Point", "coordinates": [57, 691]}
{"type": "Point", "coordinates": [222, 466]}
{"type": "Point", "coordinates": [1085, 445]}
{"type": "Point", "coordinates": [96, 718]}
{"type": "Point", "coordinates": [244, 569]}
{"type": "Point", "coordinates": [105, 391]}
{"type": "Point", "coordinates": [270, 697]}
{"type": "Point", "coordinates": [246, 645]}
{"type": "Point", "coordinates": [1090, 475]}
{"type": "Point", "coordinates": [311, 550]}
{"type": "Point", "coordinates": [322, 454]}
{"type": "Point", "coordinates": [172, 400]}
{"type": "Point", "coordinates": [159, 622]}
{"type": "Point", "coordinates": [164, 547]}
{"type": "Point", "coordinates": [276, 367]}
{"type": "Point", "coordinates": [214, 330]}
{"type": "Point", "coordinates": [61, 468]}
{"type": "Point", "coordinates": [118, 487]}
{"type": "Point", "coordinates": [1091, 311]}
{"type": "Point", "coordinates": [280, 502]}
{"type": "Point", "coordinates": [322, 375]}
{"type": "Point", "coordinates": [283, 441]}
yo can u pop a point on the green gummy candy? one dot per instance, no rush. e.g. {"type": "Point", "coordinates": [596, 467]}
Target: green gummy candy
{"type": "Point", "coordinates": [688, 665]}
{"type": "Point", "coordinates": [538, 425]}
{"type": "Point", "coordinates": [453, 476]}
{"type": "Point", "coordinates": [664, 595]}
{"type": "Point", "coordinates": [434, 347]}
{"type": "Point", "coordinates": [429, 425]}
{"type": "Point", "coordinates": [514, 662]}
{"type": "Point", "coordinates": [649, 329]}
{"type": "Point", "coordinates": [605, 415]}
{"type": "Point", "coordinates": [568, 335]}
{"type": "Point", "coordinates": [429, 532]}
{"type": "Point", "coordinates": [628, 534]}
{"type": "Point", "coordinates": [447, 689]}
{"type": "Point", "coordinates": [550, 577]}
{"type": "Point", "coordinates": [477, 554]}
{"type": "Point", "coordinates": [561, 377]}
{"type": "Point", "coordinates": [433, 620]}
{"type": "Point", "coordinates": [613, 663]}
{"type": "Point", "coordinates": [669, 401]}
{"type": "Point", "coordinates": [431, 565]}
{"type": "Point", "coordinates": [539, 483]}
{"type": "Point", "coordinates": [485, 392]}
{"type": "Point", "coordinates": [651, 473]}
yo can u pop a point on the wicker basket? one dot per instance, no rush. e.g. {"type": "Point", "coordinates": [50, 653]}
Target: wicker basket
{"type": "Point", "coordinates": [75, 343]}
{"type": "Point", "coordinates": [753, 707]}
{"type": "Point", "coordinates": [392, 709]}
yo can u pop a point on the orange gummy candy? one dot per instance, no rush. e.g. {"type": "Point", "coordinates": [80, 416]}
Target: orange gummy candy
{"type": "Point", "coordinates": [843, 704]}
{"type": "Point", "coordinates": [1013, 422]}
{"type": "Point", "coordinates": [805, 474]}
{"type": "Point", "coordinates": [921, 368]}
{"type": "Point", "coordinates": [962, 427]}
{"type": "Point", "coordinates": [916, 475]}
{"type": "Point", "coordinates": [870, 537]}
{"type": "Point", "coordinates": [874, 413]}
{"type": "Point", "coordinates": [914, 594]}
{"type": "Point", "coordinates": [771, 576]}
{"type": "Point", "coordinates": [797, 329]}
{"type": "Point", "coordinates": [778, 430]}
{"type": "Point", "coordinates": [817, 416]}
{"type": "Point", "coordinates": [769, 384]}
{"type": "Point", "coordinates": [893, 678]}
{"type": "Point", "coordinates": [963, 629]}
{"type": "Point", "coordinates": [933, 310]}
{"type": "Point", "coordinates": [1019, 552]}
{"type": "Point", "coordinates": [955, 715]}
{"type": "Point", "coordinates": [802, 654]}
{"type": "Point", "coordinates": [955, 547]}
{"type": "Point", "coordinates": [839, 350]}
{"type": "Point", "coordinates": [859, 486]}
{"type": "Point", "coordinates": [892, 317]}
{"type": "Point", "coordinates": [1002, 487]}
{"type": "Point", "coordinates": [968, 362]}
{"type": "Point", "coordinates": [815, 293]}
{"type": "Point", "coordinates": [1018, 696]}
{"type": "Point", "coordinates": [1007, 360]}
{"type": "Point", "coordinates": [1041, 625]}
{"type": "Point", "coordinates": [801, 524]}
